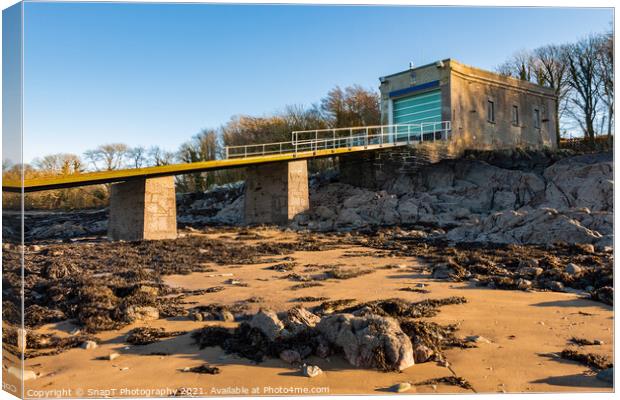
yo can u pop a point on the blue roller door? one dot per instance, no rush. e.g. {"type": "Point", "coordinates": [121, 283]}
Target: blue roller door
{"type": "Point", "coordinates": [424, 108]}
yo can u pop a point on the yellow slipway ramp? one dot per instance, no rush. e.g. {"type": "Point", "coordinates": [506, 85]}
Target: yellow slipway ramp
{"type": "Point", "coordinates": [93, 178]}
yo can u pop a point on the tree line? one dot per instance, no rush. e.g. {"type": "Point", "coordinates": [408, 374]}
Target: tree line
{"type": "Point", "coordinates": [582, 76]}
{"type": "Point", "coordinates": [340, 107]}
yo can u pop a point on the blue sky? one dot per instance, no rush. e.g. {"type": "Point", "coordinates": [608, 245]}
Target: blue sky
{"type": "Point", "coordinates": [156, 74]}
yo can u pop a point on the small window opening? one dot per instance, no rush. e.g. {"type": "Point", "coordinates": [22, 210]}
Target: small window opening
{"type": "Point", "coordinates": [515, 115]}
{"type": "Point", "coordinates": [490, 111]}
{"type": "Point", "coordinates": [536, 118]}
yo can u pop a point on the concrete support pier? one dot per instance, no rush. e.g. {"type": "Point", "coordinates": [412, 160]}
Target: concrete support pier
{"type": "Point", "coordinates": [143, 209]}
{"type": "Point", "coordinates": [276, 192]}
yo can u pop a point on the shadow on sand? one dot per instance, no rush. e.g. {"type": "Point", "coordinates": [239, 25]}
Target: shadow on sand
{"type": "Point", "coordinates": [577, 303]}
{"type": "Point", "coordinates": [575, 380]}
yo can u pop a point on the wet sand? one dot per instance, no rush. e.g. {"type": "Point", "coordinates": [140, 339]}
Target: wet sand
{"type": "Point", "coordinates": [524, 330]}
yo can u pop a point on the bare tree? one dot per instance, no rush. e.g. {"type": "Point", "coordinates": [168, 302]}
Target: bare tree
{"type": "Point", "coordinates": [606, 72]}
{"type": "Point", "coordinates": [585, 83]}
{"type": "Point", "coordinates": [519, 66]}
{"type": "Point", "coordinates": [299, 118]}
{"type": "Point", "coordinates": [159, 156]}
{"type": "Point", "coordinates": [137, 155]}
{"type": "Point", "coordinates": [61, 163]}
{"type": "Point", "coordinates": [107, 156]}
{"type": "Point", "coordinates": [353, 106]}
{"type": "Point", "coordinates": [552, 67]}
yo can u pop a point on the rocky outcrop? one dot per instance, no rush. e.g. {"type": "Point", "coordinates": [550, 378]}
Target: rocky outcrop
{"type": "Point", "coordinates": [570, 200]}
{"type": "Point", "coordinates": [365, 338]}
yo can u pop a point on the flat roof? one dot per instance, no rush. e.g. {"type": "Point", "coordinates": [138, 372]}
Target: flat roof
{"type": "Point", "coordinates": [413, 69]}
{"type": "Point", "coordinates": [484, 71]}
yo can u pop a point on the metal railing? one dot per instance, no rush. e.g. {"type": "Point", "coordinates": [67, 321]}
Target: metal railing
{"type": "Point", "coordinates": [338, 138]}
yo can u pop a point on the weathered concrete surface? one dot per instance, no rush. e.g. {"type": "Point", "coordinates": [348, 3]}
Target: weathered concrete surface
{"type": "Point", "coordinates": [358, 169]}
{"type": "Point", "coordinates": [276, 193]}
{"type": "Point", "coordinates": [143, 210]}
{"type": "Point", "coordinates": [373, 170]}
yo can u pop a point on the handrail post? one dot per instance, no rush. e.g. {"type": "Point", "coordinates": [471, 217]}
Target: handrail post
{"type": "Point", "coordinates": [316, 140]}
{"type": "Point", "coordinates": [245, 151]}
{"type": "Point", "coordinates": [334, 141]}
{"type": "Point", "coordinates": [350, 138]}
{"type": "Point", "coordinates": [226, 152]}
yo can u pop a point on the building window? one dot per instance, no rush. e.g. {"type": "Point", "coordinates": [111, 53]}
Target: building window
{"type": "Point", "coordinates": [515, 115]}
{"type": "Point", "coordinates": [490, 111]}
{"type": "Point", "coordinates": [536, 118]}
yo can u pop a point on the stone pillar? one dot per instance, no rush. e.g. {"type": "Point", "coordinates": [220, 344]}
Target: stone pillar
{"type": "Point", "coordinates": [143, 209]}
{"type": "Point", "coordinates": [358, 169]}
{"type": "Point", "coordinates": [276, 192]}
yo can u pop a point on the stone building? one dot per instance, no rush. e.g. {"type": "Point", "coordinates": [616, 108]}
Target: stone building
{"type": "Point", "coordinates": [486, 110]}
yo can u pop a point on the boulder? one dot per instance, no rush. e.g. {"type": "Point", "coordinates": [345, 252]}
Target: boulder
{"type": "Point", "coordinates": [231, 214]}
{"type": "Point", "coordinates": [359, 200]}
{"type": "Point", "coordinates": [349, 219]}
{"type": "Point", "coordinates": [604, 294]}
{"type": "Point", "coordinates": [299, 320]}
{"type": "Point", "coordinates": [226, 316]}
{"type": "Point", "coordinates": [422, 353]}
{"type": "Point", "coordinates": [311, 370]}
{"type": "Point", "coordinates": [477, 339]}
{"type": "Point", "coordinates": [555, 286]}
{"type": "Point", "coordinates": [400, 387]}
{"type": "Point", "coordinates": [408, 211]}
{"type": "Point", "coordinates": [324, 213]}
{"type": "Point", "coordinates": [89, 345]}
{"type": "Point", "coordinates": [290, 356]}
{"type": "Point", "coordinates": [572, 269]}
{"type": "Point", "coordinates": [524, 284]}
{"type": "Point", "coordinates": [530, 271]}
{"type": "Point", "coordinates": [369, 341]}
{"type": "Point", "coordinates": [268, 323]}
{"type": "Point", "coordinates": [141, 313]}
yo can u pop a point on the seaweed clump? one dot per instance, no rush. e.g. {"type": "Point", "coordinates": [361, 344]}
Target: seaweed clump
{"type": "Point", "coordinates": [147, 335]}
{"type": "Point", "coordinates": [594, 361]}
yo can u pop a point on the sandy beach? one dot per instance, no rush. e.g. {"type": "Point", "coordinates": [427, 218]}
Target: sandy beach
{"type": "Point", "coordinates": [522, 333]}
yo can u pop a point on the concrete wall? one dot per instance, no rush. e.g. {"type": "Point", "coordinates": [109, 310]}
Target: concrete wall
{"type": "Point", "coordinates": [358, 169]}
{"type": "Point", "coordinates": [472, 88]}
{"type": "Point", "coordinates": [276, 192]}
{"type": "Point", "coordinates": [372, 169]}
{"type": "Point", "coordinates": [143, 210]}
